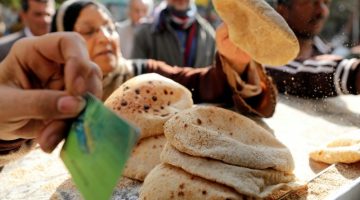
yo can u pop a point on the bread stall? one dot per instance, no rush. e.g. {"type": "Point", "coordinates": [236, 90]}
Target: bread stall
{"type": "Point", "coordinates": [301, 125]}
{"type": "Point", "coordinates": [207, 163]}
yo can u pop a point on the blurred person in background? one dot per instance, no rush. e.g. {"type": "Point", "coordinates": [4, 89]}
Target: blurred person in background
{"type": "Point", "coordinates": [2, 28]}
{"type": "Point", "coordinates": [137, 11]}
{"type": "Point", "coordinates": [316, 72]}
{"type": "Point", "coordinates": [36, 15]}
{"type": "Point", "coordinates": [178, 36]}
{"type": "Point", "coordinates": [8, 15]}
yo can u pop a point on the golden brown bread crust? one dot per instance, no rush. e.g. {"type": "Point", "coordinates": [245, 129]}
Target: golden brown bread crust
{"type": "Point", "coordinates": [223, 148]}
{"type": "Point", "coordinates": [221, 134]}
{"type": "Point", "coordinates": [148, 101]}
{"type": "Point", "coordinates": [144, 157]}
{"type": "Point", "coordinates": [345, 149]}
{"type": "Point", "coordinates": [259, 30]}
{"type": "Point", "coordinates": [247, 181]}
{"type": "Point", "coordinates": [169, 182]}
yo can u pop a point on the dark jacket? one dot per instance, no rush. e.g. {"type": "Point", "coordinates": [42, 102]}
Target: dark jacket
{"type": "Point", "coordinates": [317, 78]}
{"type": "Point", "coordinates": [158, 41]}
{"type": "Point", "coordinates": [7, 42]}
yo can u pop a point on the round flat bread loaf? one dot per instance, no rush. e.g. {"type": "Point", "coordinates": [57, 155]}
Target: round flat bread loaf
{"type": "Point", "coordinates": [350, 139]}
{"type": "Point", "coordinates": [345, 149]}
{"type": "Point", "coordinates": [250, 182]}
{"type": "Point", "coordinates": [148, 101]}
{"type": "Point", "coordinates": [256, 28]}
{"type": "Point", "coordinates": [168, 182]}
{"type": "Point", "coordinates": [349, 154]}
{"type": "Point", "coordinates": [224, 135]}
{"type": "Point", "coordinates": [144, 157]}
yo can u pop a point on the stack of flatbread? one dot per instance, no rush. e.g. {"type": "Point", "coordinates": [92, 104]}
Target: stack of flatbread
{"type": "Point", "coordinates": [148, 101]}
{"type": "Point", "coordinates": [213, 153]}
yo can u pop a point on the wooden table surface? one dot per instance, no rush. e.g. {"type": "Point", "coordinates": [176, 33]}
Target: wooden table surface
{"type": "Point", "coordinates": [301, 125]}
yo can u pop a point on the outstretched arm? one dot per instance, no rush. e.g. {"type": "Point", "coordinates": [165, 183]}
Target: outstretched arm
{"type": "Point", "coordinates": [211, 85]}
{"type": "Point", "coordinates": [234, 79]}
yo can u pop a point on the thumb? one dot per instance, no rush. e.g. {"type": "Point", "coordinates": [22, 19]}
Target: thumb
{"type": "Point", "coordinates": [38, 104]}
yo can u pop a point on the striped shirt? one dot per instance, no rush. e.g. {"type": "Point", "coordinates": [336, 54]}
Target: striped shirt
{"type": "Point", "coordinates": [316, 78]}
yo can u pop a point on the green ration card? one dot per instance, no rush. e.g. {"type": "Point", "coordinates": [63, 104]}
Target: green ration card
{"type": "Point", "coordinates": [97, 148]}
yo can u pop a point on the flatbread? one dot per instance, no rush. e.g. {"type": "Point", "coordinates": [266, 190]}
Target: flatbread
{"type": "Point", "coordinates": [168, 182]}
{"type": "Point", "coordinates": [224, 135]}
{"type": "Point", "coordinates": [148, 101]}
{"type": "Point", "coordinates": [345, 149]}
{"type": "Point", "coordinates": [144, 157]}
{"type": "Point", "coordinates": [349, 154]}
{"type": "Point", "coordinates": [350, 139]}
{"type": "Point", "coordinates": [250, 182]}
{"type": "Point", "coordinates": [256, 28]}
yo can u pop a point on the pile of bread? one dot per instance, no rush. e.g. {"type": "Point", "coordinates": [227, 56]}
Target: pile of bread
{"type": "Point", "coordinates": [206, 152]}
{"type": "Point", "coordinates": [209, 152]}
{"type": "Point", "coordinates": [148, 101]}
{"type": "Point", "coordinates": [218, 154]}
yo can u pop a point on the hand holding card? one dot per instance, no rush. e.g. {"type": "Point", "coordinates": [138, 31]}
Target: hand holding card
{"type": "Point", "coordinates": [97, 148]}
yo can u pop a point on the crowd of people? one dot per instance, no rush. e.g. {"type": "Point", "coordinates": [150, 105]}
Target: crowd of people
{"type": "Point", "coordinates": [171, 39]}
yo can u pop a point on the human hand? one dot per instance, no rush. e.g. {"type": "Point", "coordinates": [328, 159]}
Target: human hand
{"type": "Point", "coordinates": [41, 83]}
{"type": "Point", "coordinates": [234, 56]}
{"type": "Point", "coordinates": [329, 57]}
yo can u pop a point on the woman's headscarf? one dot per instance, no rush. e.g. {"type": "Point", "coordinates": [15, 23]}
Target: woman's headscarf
{"type": "Point", "coordinates": [69, 11]}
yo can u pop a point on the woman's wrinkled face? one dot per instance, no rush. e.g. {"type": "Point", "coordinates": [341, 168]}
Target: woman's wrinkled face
{"type": "Point", "coordinates": [101, 37]}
